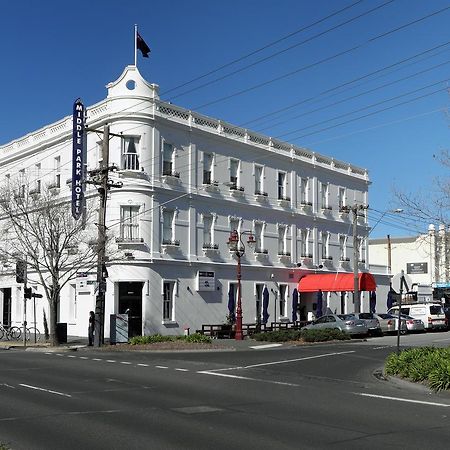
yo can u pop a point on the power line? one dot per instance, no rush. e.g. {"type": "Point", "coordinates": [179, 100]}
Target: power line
{"type": "Point", "coordinates": [319, 62]}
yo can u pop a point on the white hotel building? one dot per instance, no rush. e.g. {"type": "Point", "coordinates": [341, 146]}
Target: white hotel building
{"type": "Point", "coordinates": [188, 180]}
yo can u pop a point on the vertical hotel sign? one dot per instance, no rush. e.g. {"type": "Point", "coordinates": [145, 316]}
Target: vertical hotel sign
{"type": "Point", "coordinates": [78, 159]}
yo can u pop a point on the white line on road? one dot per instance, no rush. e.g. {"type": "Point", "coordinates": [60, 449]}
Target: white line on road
{"type": "Point", "coordinates": [110, 360]}
{"type": "Point", "coordinates": [44, 390]}
{"type": "Point", "coordinates": [398, 399]}
{"type": "Point", "coordinates": [83, 357]}
{"type": "Point", "coordinates": [285, 361]}
{"type": "Point", "coordinates": [143, 365]}
{"type": "Point", "coordinates": [227, 375]}
{"type": "Point", "coordinates": [161, 367]}
{"type": "Point", "coordinates": [97, 359]}
{"type": "Point", "coordinates": [72, 356]}
{"type": "Point", "coordinates": [259, 347]}
{"type": "Point", "coordinates": [182, 370]}
{"type": "Point", "coordinates": [125, 362]}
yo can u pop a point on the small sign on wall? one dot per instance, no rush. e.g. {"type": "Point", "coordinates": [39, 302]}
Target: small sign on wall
{"type": "Point", "coordinates": [206, 281]}
{"type": "Point", "coordinates": [417, 268]}
{"type": "Point", "coordinates": [85, 281]}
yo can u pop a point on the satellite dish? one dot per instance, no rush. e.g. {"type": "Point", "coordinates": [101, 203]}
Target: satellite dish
{"type": "Point", "coordinates": [396, 282]}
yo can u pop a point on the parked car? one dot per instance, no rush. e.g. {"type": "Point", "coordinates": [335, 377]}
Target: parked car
{"type": "Point", "coordinates": [447, 315]}
{"type": "Point", "coordinates": [389, 323]}
{"type": "Point", "coordinates": [431, 314]}
{"type": "Point", "coordinates": [413, 325]}
{"type": "Point", "coordinates": [372, 322]}
{"type": "Point", "coordinates": [344, 322]}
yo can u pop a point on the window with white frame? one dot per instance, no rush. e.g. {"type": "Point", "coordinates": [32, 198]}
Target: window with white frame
{"type": "Point", "coordinates": [168, 301]}
{"type": "Point", "coordinates": [259, 237]}
{"type": "Point", "coordinates": [72, 303]}
{"type": "Point", "coordinates": [208, 168]}
{"type": "Point", "coordinates": [130, 153]}
{"type": "Point", "coordinates": [57, 171]}
{"type": "Point", "coordinates": [22, 183]}
{"type": "Point", "coordinates": [283, 240]}
{"type": "Point", "coordinates": [259, 180]}
{"type": "Point", "coordinates": [324, 237]}
{"type": "Point", "coordinates": [282, 179]}
{"type": "Point", "coordinates": [324, 195]}
{"type": "Point", "coordinates": [282, 299]}
{"type": "Point", "coordinates": [168, 231]}
{"type": "Point", "coordinates": [343, 247]}
{"type": "Point", "coordinates": [361, 247]}
{"type": "Point", "coordinates": [36, 189]}
{"type": "Point", "coordinates": [234, 172]}
{"type": "Point", "coordinates": [304, 191]}
{"type": "Point", "coordinates": [342, 197]}
{"type": "Point", "coordinates": [259, 288]}
{"type": "Point", "coordinates": [235, 223]}
{"type": "Point", "coordinates": [99, 146]}
{"type": "Point", "coordinates": [208, 231]}
{"type": "Point", "coordinates": [304, 243]}
{"type": "Point", "coordinates": [129, 223]}
{"type": "Point", "coordinates": [168, 159]}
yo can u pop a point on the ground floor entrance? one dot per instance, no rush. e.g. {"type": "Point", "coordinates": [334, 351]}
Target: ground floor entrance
{"type": "Point", "coordinates": [130, 302]}
{"type": "Point", "coordinates": [5, 294]}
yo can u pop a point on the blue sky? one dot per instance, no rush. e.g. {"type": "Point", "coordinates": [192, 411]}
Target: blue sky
{"type": "Point", "coordinates": [56, 51]}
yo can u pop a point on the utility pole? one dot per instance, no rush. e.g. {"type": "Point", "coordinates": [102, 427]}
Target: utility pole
{"type": "Point", "coordinates": [389, 249]}
{"type": "Point", "coordinates": [100, 179]}
{"type": "Point", "coordinates": [354, 209]}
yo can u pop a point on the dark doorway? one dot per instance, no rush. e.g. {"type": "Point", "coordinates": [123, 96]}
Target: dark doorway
{"type": "Point", "coordinates": [6, 293]}
{"type": "Point", "coordinates": [130, 302]}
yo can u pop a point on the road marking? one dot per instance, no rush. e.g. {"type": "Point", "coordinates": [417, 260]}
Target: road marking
{"type": "Point", "coordinates": [72, 356]}
{"type": "Point", "coordinates": [227, 375]}
{"type": "Point", "coordinates": [97, 359]}
{"type": "Point", "coordinates": [441, 340]}
{"type": "Point", "coordinates": [143, 365]}
{"type": "Point", "coordinates": [183, 370]}
{"type": "Point", "coordinates": [258, 347]}
{"type": "Point", "coordinates": [197, 409]}
{"type": "Point", "coordinates": [83, 357]}
{"type": "Point", "coordinates": [7, 385]}
{"type": "Point", "coordinates": [124, 362]}
{"type": "Point", "coordinates": [383, 346]}
{"type": "Point", "coordinates": [44, 390]}
{"type": "Point", "coordinates": [285, 361]}
{"type": "Point", "coordinates": [110, 360]}
{"type": "Point", "coordinates": [398, 399]}
{"type": "Point", "coordinates": [161, 367]}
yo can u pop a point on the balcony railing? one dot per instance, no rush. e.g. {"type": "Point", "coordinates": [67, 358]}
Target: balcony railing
{"type": "Point", "coordinates": [209, 246]}
{"type": "Point", "coordinates": [261, 251]}
{"type": "Point", "coordinates": [171, 173]}
{"type": "Point", "coordinates": [171, 242]}
{"type": "Point", "coordinates": [284, 198]}
{"type": "Point", "coordinates": [306, 255]}
{"type": "Point", "coordinates": [263, 194]}
{"type": "Point", "coordinates": [344, 259]}
{"type": "Point", "coordinates": [284, 253]}
{"type": "Point", "coordinates": [235, 187]}
{"type": "Point", "coordinates": [305, 203]}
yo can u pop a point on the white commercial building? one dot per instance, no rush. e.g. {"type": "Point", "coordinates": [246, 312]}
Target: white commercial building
{"type": "Point", "coordinates": [188, 180]}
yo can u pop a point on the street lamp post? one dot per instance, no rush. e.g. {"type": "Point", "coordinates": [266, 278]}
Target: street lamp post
{"type": "Point", "coordinates": [236, 245]}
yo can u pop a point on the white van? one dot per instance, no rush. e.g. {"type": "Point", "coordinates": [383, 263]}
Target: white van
{"type": "Point", "coordinates": [431, 314]}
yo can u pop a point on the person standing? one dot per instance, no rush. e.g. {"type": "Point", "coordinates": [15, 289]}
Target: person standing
{"type": "Point", "coordinates": [91, 327]}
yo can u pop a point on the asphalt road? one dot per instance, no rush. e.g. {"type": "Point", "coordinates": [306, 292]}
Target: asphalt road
{"type": "Point", "coordinates": [321, 396]}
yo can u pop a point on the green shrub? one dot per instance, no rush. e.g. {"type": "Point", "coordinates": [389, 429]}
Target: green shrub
{"type": "Point", "coordinates": [278, 336]}
{"type": "Point", "coordinates": [197, 338]}
{"type": "Point", "coordinates": [155, 338]}
{"type": "Point", "coordinates": [327, 334]}
{"type": "Point", "coordinates": [427, 364]}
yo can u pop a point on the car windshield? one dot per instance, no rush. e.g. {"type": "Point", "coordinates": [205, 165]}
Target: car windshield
{"type": "Point", "coordinates": [366, 316]}
{"type": "Point", "coordinates": [387, 316]}
{"type": "Point", "coordinates": [346, 316]}
{"type": "Point", "coordinates": [435, 309]}
{"type": "Point", "coordinates": [404, 316]}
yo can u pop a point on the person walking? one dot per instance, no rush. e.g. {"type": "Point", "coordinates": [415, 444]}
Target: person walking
{"type": "Point", "coordinates": [91, 327]}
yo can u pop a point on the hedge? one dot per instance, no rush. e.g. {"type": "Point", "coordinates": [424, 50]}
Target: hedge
{"type": "Point", "coordinates": [327, 334]}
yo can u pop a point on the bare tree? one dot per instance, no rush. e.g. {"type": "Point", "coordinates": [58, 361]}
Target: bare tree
{"type": "Point", "coordinates": [37, 227]}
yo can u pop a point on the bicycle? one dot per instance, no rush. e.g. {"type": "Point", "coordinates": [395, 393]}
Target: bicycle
{"type": "Point", "coordinates": [33, 334]}
{"type": "Point", "coordinates": [11, 333]}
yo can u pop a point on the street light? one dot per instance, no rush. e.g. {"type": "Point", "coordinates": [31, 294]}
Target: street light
{"type": "Point", "coordinates": [236, 245]}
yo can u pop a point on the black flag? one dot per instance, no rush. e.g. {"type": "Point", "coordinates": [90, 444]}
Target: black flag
{"type": "Point", "coordinates": [142, 46]}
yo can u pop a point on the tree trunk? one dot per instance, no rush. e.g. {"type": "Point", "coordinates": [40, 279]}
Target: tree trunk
{"type": "Point", "coordinates": [53, 319]}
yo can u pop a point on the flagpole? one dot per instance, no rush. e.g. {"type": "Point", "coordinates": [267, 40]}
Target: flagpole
{"type": "Point", "coordinates": [135, 45]}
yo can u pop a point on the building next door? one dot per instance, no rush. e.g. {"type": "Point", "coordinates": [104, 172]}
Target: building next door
{"type": "Point", "coordinates": [130, 302]}
{"type": "Point", "coordinates": [6, 314]}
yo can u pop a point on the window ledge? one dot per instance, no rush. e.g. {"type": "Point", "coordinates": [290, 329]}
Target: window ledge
{"type": "Point", "coordinates": [169, 179]}
{"type": "Point", "coordinates": [284, 202]}
{"type": "Point", "coordinates": [128, 173]}
{"type": "Point", "coordinates": [211, 187]}
{"type": "Point", "coordinates": [169, 322]}
{"type": "Point", "coordinates": [237, 192]}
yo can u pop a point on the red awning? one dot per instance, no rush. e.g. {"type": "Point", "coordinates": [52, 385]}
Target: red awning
{"type": "Point", "coordinates": [336, 282]}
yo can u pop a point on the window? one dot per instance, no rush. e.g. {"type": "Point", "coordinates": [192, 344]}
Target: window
{"type": "Point", "coordinates": [130, 157]}
{"type": "Point", "coordinates": [208, 228]}
{"type": "Point", "coordinates": [36, 189]}
{"type": "Point", "coordinates": [259, 171]}
{"type": "Point", "coordinates": [168, 300]}
{"type": "Point", "coordinates": [283, 293]}
{"type": "Point", "coordinates": [324, 241]}
{"type": "Point", "coordinates": [258, 302]}
{"type": "Point", "coordinates": [168, 228]}
{"type": "Point", "coordinates": [342, 199]}
{"type": "Point", "coordinates": [361, 247]}
{"type": "Point", "coordinates": [168, 158]}
{"type": "Point", "coordinates": [258, 234]}
{"type": "Point", "coordinates": [324, 193]}
{"type": "Point", "coordinates": [21, 193]}
{"type": "Point", "coordinates": [129, 223]}
{"type": "Point", "coordinates": [234, 172]}
{"type": "Point", "coordinates": [343, 247]}
{"type": "Point", "coordinates": [282, 185]}
{"type": "Point", "coordinates": [282, 240]}
{"type": "Point", "coordinates": [207, 168]}
{"type": "Point", "coordinates": [304, 191]}
{"type": "Point", "coordinates": [235, 224]}
{"type": "Point", "coordinates": [99, 153]}
{"type": "Point", "coordinates": [57, 169]}
{"type": "Point", "coordinates": [304, 244]}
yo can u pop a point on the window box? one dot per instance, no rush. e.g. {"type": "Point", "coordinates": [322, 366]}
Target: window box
{"type": "Point", "coordinates": [170, 243]}
{"type": "Point", "coordinates": [284, 257]}
{"type": "Point", "coordinates": [213, 186]}
{"type": "Point", "coordinates": [305, 206]}
{"type": "Point", "coordinates": [284, 201]}
{"type": "Point", "coordinates": [261, 254]}
{"type": "Point", "coordinates": [129, 240]}
{"type": "Point", "coordinates": [327, 260]}
{"type": "Point", "coordinates": [326, 209]}
{"type": "Point", "coordinates": [171, 173]}
{"type": "Point", "coordinates": [210, 249]}
{"type": "Point", "coordinates": [236, 191]}
{"type": "Point", "coordinates": [171, 177]}
{"type": "Point", "coordinates": [261, 196]}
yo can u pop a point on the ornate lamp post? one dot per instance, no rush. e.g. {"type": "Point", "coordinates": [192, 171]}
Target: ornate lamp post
{"type": "Point", "coordinates": [236, 245]}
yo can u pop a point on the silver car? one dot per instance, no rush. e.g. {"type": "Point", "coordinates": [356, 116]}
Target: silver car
{"type": "Point", "coordinates": [344, 322]}
{"type": "Point", "coordinates": [372, 322]}
{"type": "Point", "coordinates": [413, 325]}
{"type": "Point", "coordinates": [388, 323]}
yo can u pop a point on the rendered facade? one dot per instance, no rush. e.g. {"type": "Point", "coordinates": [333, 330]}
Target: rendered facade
{"type": "Point", "coordinates": [188, 181]}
